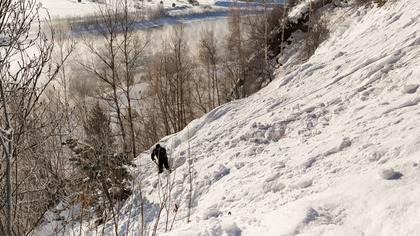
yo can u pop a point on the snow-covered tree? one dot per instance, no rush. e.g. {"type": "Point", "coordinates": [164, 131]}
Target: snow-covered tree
{"type": "Point", "coordinates": [26, 72]}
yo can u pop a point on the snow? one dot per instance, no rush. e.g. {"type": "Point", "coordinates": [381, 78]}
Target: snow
{"type": "Point", "coordinates": [66, 8]}
{"type": "Point", "coordinates": [330, 147]}
{"type": "Point", "coordinates": [73, 8]}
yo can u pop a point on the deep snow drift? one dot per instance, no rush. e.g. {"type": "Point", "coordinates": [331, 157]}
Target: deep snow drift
{"type": "Point", "coordinates": [330, 147]}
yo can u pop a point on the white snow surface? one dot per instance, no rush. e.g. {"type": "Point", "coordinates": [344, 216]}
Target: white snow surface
{"type": "Point", "coordinates": [66, 8]}
{"type": "Point", "coordinates": [330, 147]}
{"type": "Point", "coordinates": [73, 8]}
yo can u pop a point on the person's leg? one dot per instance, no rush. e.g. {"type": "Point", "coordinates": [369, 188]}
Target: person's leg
{"type": "Point", "coordinates": [160, 165]}
{"type": "Point", "coordinates": [165, 162]}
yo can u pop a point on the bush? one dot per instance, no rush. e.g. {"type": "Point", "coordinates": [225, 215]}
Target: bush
{"type": "Point", "coordinates": [156, 13]}
{"type": "Point", "coordinates": [102, 171]}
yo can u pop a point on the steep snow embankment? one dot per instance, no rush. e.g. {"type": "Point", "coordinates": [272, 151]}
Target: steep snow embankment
{"type": "Point", "coordinates": [331, 148]}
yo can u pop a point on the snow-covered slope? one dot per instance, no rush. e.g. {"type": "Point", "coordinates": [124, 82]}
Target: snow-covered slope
{"type": "Point", "coordinates": [331, 147]}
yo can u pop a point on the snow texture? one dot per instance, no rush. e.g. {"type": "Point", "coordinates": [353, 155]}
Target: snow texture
{"type": "Point", "coordinates": [330, 147]}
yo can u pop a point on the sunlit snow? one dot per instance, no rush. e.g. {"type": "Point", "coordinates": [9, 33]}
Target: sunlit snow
{"type": "Point", "coordinates": [330, 147]}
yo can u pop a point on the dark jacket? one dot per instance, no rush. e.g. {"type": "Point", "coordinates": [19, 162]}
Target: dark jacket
{"type": "Point", "coordinates": [160, 154]}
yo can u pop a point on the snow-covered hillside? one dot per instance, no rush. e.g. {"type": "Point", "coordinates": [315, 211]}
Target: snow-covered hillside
{"type": "Point", "coordinates": [330, 147]}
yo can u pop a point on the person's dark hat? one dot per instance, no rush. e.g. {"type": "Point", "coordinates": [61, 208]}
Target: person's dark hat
{"type": "Point", "coordinates": [157, 145]}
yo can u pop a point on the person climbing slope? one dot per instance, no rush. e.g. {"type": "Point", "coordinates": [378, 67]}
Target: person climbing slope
{"type": "Point", "coordinates": [162, 158]}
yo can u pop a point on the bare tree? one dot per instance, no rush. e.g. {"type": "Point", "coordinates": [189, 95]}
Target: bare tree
{"type": "Point", "coordinates": [25, 54]}
{"type": "Point", "coordinates": [208, 56]}
{"type": "Point", "coordinates": [283, 25]}
{"type": "Point", "coordinates": [116, 63]}
{"type": "Point", "coordinates": [170, 78]}
{"type": "Point", "coordinates": [160, 99]}
{"type": "Point", "coordinates": [65, 44]}
{"type": "Point", "coordinates": [105, 65]}
{"type": "Point", "coordinates": [246, 58]}
{"type": "Point", "coordinates": [266, 37]}
{"type": "Point", "coordinates": [132, 50]}
{"type": "Point", "coordinates": [317, 27]}
{"type": "Point", "coordinates": [181, 62]}
{"type": "Point", "coordinates": [42, 160]}
{"type": "Point", "coordinates": [236, 60]}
